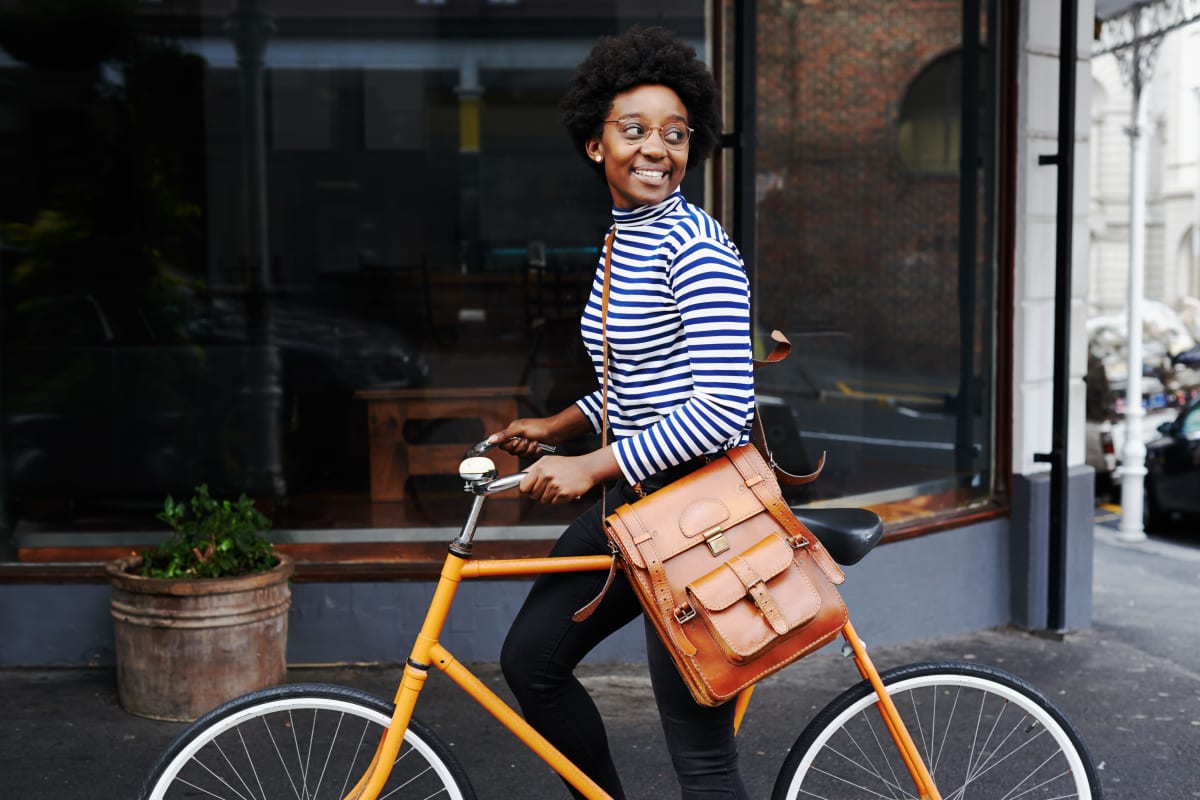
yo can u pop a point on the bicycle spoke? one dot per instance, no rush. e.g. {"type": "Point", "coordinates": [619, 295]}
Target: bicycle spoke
{"type": "Point", "coordinates": [872, 771]}
{"type": "Point", "coordinates": [262, 793]}
{"type": "Point", "coordinates": [937, 759]}
{"type": "Point", "coordinates": [353, 771]}
{"type": "Point", "coordinates": [846, 782]}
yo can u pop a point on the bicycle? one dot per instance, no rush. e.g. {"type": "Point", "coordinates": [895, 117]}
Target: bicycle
{"type": "Point", "coordinates": [967, 729]}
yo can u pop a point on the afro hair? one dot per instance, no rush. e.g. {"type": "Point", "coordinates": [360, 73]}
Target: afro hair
{"type": "Point", "coordinates": [640, 57]}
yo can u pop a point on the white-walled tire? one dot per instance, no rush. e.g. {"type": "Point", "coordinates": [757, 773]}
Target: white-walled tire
{"type": "Point", "coordinates": [311, 741]}
{"type": "Point", "coordinates": [983, 733]}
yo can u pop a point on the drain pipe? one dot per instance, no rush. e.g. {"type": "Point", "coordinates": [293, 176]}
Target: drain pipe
{"type": "Point", "coordinates": [1064, 159]}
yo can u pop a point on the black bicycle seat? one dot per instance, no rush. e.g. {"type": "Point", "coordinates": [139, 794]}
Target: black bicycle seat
{"type": "Point", "coordinates": [847, 533]}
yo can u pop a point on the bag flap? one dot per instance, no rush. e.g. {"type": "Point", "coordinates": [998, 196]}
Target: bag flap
{"type": "Point", "coordinates": [676, 516]}
{"type": "Point", "coordinates": [722, 587]}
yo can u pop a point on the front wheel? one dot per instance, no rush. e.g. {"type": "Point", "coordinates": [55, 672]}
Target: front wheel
{"type": "Point", "coordinates": [309, 741]}
{"type": "Point", "coordinates": [981, 731]}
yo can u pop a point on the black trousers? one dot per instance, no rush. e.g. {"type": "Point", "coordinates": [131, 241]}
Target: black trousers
{"type": "Point", "coordinates": [545, 644]}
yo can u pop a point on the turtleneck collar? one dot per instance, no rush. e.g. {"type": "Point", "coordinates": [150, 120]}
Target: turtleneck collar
{"type": "Point", "coordinates": [646, 215]}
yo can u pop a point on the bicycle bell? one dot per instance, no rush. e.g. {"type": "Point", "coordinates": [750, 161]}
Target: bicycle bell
{"type": "Point", "coordinates": [477, 468]}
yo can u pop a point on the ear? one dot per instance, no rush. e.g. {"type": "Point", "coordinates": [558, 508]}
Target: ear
{"type": "Point", "coordinates": [594, 149]}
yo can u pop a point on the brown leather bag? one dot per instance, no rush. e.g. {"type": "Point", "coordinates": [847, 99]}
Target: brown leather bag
{"type": "Point", "coordinates": [736, 585]}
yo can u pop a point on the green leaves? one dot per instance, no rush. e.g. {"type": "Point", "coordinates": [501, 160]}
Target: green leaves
{"type": "Point", "coordinates": [217, 539]}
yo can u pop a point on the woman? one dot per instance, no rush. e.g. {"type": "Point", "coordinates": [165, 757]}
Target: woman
{"type": "Point", "coordinates": [641, 109]}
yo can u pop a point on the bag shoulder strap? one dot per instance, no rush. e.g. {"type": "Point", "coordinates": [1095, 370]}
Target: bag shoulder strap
{"type": "Point", "coordinates": [593, 604]}
{"type": "Point", "coordinates": [660, 584]}
{"type": "Point", "coordinates": [779, 351]}
{"type": "Point", "coordinates": [749, 465]}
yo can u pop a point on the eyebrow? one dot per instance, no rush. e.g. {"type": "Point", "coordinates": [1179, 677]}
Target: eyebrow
{"type": "Point", "coordinates": [640, 115]}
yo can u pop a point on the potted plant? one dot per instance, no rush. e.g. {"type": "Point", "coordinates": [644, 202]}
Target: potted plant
{"type": "Point", "coordinates": [201, 617]}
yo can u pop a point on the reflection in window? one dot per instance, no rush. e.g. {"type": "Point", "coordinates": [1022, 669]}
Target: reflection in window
{"type": "Point", "coordinates": [892, 369]}
{"type": "Point", "coordinates": [208, 308]}
{"type": "Point", "coordinates": [930, 118]}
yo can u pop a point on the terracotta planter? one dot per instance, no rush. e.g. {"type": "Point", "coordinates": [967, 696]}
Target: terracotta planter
{"type": "Point", "coordinates": [185, 646]}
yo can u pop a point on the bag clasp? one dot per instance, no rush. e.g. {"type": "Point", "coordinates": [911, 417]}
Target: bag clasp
{"type": "Point", "coordinates": [714, 537]}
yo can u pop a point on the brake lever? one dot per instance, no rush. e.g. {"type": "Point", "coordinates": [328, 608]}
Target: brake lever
{"type": "Point", "coordinates": [485, 445]}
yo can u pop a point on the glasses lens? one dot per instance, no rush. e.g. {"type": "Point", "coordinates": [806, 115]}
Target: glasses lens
{"type": "Point", "coordinates": [674, 136]}
{"type": "Point", "coordinates": [633, 131]}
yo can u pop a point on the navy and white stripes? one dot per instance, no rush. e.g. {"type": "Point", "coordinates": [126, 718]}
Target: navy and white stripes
{"type": "Point", "coordinates": [681, 374]}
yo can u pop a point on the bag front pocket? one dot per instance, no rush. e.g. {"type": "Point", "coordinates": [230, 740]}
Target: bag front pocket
{"type": "Point", "coordinates": [752, 600]}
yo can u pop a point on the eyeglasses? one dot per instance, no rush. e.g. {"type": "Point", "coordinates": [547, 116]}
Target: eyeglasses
{"type": "Point", "coordinates": [674, 135]}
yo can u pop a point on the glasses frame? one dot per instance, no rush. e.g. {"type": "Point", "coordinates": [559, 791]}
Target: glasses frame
{"type": "Point", "coordinates": [651, 128]}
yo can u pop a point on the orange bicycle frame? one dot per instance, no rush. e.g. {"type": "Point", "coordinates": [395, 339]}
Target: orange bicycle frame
{"type": "Point", "coordinates": [428, 652]}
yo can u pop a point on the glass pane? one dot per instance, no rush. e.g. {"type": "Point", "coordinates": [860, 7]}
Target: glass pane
{"type": "Point", "coordinates": [861, 260]}
{"type": "Point", "coordinates": [218, 234]}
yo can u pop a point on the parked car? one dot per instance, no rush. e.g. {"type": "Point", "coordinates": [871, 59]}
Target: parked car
{"type": "Point", "coordinates": [1105, 443]}
{"type": "Point", "coordinates": [1173, 469]}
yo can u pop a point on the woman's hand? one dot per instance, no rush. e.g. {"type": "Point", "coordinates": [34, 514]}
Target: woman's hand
{"type": "Point", "coordinates": [556, 479]}
{"type": "Point", "coordinates": [561, 479]}
{"type": "Point", "coordinates": [521, 437]}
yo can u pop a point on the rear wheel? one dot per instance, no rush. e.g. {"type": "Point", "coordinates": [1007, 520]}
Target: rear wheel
{"type": "Point", "coordinates": [981, 732]}
{"type": "Point", "coordinates": [307, 741]}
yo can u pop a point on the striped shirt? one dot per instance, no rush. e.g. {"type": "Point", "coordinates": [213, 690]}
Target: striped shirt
{"type": "Point", "coordinates": [681, 372]}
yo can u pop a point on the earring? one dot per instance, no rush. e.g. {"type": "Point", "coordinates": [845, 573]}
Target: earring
{"type": "Point", "coordinates": [599, 159]}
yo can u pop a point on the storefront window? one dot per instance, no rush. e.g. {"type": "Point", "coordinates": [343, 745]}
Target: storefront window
{"type": "Point", "coordinates": [306, 253]}
{"type": "Point", "coordinates": [309, 252]}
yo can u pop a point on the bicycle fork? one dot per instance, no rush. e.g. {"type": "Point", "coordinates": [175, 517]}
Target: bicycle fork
{"type": "Point", "coordinates": [891, 718]}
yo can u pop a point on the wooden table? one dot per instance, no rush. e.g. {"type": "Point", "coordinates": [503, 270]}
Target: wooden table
{"type": "Point", "coordinates": [394, 458]}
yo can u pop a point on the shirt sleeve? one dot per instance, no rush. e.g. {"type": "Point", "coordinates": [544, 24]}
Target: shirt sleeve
{"type": "Point", "coordinates": [591, 406]}
{"type": "Point", "coordinates": [710, 288]}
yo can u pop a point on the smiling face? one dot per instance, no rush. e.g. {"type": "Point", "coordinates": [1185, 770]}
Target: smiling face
{"type": "Point", "coordinates": [647, 172]}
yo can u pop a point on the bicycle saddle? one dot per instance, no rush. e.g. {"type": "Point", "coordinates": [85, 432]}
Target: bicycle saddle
{"type": "Point", "coordinates": [847, 533]}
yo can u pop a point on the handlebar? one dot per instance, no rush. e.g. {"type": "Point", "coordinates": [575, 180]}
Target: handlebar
{"type": "Point", "coordinates": [497, 485]}
{"type": "Point", "coordinates": [480, 476]}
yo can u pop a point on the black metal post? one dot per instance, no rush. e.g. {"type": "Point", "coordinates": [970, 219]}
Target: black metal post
{"type": "Point", "coordinates": [968, 239]}
{"type": "Point", "coordinates": [1057, 457]}
{"type": "Point", "coordinates": [744, 127]}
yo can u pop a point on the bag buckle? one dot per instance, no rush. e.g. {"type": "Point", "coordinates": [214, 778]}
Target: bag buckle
{"type": "Point", "coordinates": [798, 542]}
{"type": "Point", "coordinates": [684, 613]}
{"type": "Point", "coordinates": [714, 537]}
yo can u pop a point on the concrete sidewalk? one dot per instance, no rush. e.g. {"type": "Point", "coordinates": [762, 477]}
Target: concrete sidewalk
{"type": "Point", "coordinates": [1130, 684]}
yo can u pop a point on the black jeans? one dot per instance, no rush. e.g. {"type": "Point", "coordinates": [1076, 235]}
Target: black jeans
{"type": "Point", "coordinates": [545, 644]}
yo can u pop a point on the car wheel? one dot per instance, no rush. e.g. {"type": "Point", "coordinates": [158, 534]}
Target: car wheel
{"type": "Point", "coordinates": [1154, 519]}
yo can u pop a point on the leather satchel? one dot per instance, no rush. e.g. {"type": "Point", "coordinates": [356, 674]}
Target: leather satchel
{"type": "Point", "coordinates": [735, 584]}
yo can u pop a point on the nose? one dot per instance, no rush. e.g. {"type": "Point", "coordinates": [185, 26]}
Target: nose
{"type": "Point", "coordinates": [654, 141]}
